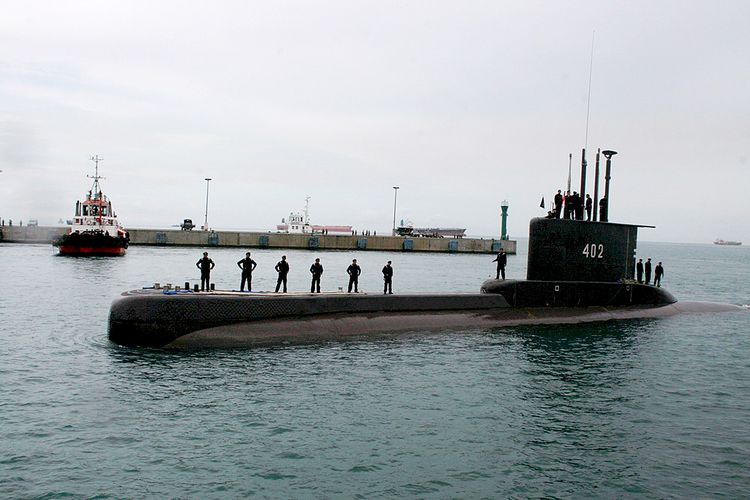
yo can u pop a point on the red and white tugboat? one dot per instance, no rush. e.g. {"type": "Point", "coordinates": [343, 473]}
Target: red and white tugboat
{"type": "Point", "coordinates": [95, 231]}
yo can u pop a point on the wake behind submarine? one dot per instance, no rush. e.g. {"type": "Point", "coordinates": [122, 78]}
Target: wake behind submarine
{"type": "Point", "coordinates": [578, 271]}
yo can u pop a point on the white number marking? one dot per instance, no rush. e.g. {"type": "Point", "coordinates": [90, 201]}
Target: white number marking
{"type": "Point", "coordinates": [594, 251]}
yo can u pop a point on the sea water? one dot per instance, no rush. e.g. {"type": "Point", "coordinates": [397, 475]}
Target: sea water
{"type": "Point", "coordinates": [654, 408]}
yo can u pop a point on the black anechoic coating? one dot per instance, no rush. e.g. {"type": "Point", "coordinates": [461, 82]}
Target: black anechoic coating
{"type": "Point", "coordinates": [153, 318]}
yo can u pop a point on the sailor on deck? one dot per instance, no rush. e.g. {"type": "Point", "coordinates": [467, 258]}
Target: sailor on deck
{"type": "Point", "coordinates": [558, 203]}
{"type": "Point", "coordinates": [388, 279]}
{"type": "Point", "coordinates": [502, 260]}
{"type": "Point", "coordinates": [639, 271]}
{"type": "Point", "coordinates": [658, 273]}
{"type": "Point", "coordinates": [282, 267]}
{"type": "Point", "coordinates": [248, 266]}
{"type": "Point", "coordinates": [353, 271]}
{"type": "Point", "coordinates": [316, 270]}
{"type": "Point", "coordinates": [205, 265]}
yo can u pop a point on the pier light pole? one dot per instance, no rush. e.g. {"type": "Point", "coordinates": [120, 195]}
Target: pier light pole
{"type": "Point", "coordinates": [395, 195]}
{"type": "Point", "coordinates": [504, 225]}
{"type": "Point", "coordinates": [205, 222]}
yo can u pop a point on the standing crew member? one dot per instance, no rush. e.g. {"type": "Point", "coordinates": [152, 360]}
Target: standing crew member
{"type": "Point", "coordinates": [248, 266]}
{"type": "Point", "coordinates": [658, 273]}
{"type": "Point", "coordinates": [501, 260]}
{"type": "Point", "coordinates": [568, 201]}
{"type": "Point", "coordinates": [639, 271]}
{"type": "Point", "coordinates": [316, 270]}
{"type": "Point", "coordinates": [589, 206]}
{"type": "Point", "coordinates": [647, 268]}
{"type": "Point", "coordinates": [577, 206]}
{"type": "Point", "coordinates": [205, 265]}
{"type": "Point", "coordinates": [282, 267]}
{"type": "Point", "coordinates": [353, 271]}
{"type": "Point", "coordinates": [558, 203]}
{"type": "Point", "coordinates": [388, 279]}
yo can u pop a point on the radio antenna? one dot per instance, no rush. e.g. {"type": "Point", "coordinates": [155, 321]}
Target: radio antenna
{"type": "Point", "coordinates": [588, 101]}
{"type": "Point", "coordinates": [96, 188]}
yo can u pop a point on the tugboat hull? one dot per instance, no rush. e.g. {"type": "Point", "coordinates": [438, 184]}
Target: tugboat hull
{"type": "Point", "coordinates": [84, 251]}
{"type": "Point", "coordinates": [91, 245]}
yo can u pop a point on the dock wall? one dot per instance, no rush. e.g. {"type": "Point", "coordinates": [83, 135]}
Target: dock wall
{"type": "Point", "coordinates": [156, 237]}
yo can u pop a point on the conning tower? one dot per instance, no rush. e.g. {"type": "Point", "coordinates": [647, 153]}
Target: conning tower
{"type": "Point", "coordinates": [571, 250]}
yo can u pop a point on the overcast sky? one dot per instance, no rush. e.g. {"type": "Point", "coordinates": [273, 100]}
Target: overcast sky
{"type": "Point", "coordinates": [461, 104]}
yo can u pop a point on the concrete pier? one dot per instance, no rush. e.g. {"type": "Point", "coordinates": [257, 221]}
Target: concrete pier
{"type": "Point", "coordinates": [245, 239]}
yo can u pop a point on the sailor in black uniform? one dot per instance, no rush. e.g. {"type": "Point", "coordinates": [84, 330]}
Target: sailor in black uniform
{"type": "Point", "coordinates": [282, 267]}
{"type": "Point", "coordinates": [647, 268]}
{"type": "Point", "coordinates": [205, 265]}
{"type": "Point", "coordinates": [639, 271]}
{"type": "Point", "coordinates": [248, 266]}
{"type": "Point", "coordinates": [388, 279]}
{"type": "Point", "coordinates": [501, 260]}
{"type": "Point", "coordinates": [558, 203]}
{"type": "Point", "coordinates": [316, 270]}
{"type": "Point", "coordinates": [658, 273]}
{"type": "Point", "coordinates": [577, 206]}
{"type": "Point", "coordinates": [589, 203]}
{"type": "Point", "coordinates": [353, 271]}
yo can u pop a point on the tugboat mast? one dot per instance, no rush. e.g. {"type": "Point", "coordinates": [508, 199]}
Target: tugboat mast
{"type": "Point", "coordinates": [96, 188]}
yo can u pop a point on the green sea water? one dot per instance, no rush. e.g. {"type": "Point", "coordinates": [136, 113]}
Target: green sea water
{"type": "Point", "coordinates": [639, 408]}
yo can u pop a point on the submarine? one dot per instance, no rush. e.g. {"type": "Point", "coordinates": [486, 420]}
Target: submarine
{"type": "Point", "coordinates": [578, 271]}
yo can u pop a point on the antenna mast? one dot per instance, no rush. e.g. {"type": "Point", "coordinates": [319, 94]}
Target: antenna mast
{"type": "Point", "coordinates": [588, 101]}
{"type": "Point", "coordinates": [588, 114]}
{"type": "Point", "coordinates": [96, 176]}
{"type": "Point", "coordinates": [307, 210]}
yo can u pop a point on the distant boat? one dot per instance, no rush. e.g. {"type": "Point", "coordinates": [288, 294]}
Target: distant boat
{"type": "Point", "coordinates": [725, 242]}
{"type": "Point", "coordinates": [408, 229]}
{"type": "Point", "coordinates": [95, 230]}
{"type": "Point", "coordinates": [298, 223]}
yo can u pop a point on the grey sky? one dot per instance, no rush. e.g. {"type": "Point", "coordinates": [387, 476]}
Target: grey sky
{"type": "Point", "coordinates": [462, 104]}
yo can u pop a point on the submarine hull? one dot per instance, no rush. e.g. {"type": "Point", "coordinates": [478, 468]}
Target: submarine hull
{"type": "Point", "coordinates": [541, 293]}
{"type": "Point", "coordinates": [155, 318]}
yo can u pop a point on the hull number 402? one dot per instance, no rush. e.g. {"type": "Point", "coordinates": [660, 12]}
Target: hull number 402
{"type": "Point", "coordinates": [594, 251]}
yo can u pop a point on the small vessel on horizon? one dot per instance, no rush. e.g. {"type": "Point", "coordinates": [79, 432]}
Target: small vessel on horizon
{"type": "Point", "coordinates": [299, 223]}
{"type": "Point", "coordinates": [408, 229]}
{"type": "Point", "coordinates": [94, 230]}
{"type": "Point", "coordinates": [719, 241]}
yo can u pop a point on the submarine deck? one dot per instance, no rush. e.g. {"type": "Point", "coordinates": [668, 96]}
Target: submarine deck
{"type": "Point", "coordinates": [160, 318]}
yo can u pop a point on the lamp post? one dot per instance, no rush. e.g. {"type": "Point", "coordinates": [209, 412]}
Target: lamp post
{"type": "Point", "coordinates": [504, 216]}
{"type": "Point", "coordinates": [205, 223]}
{"type": "Point", "coordinates": [395, 195]}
